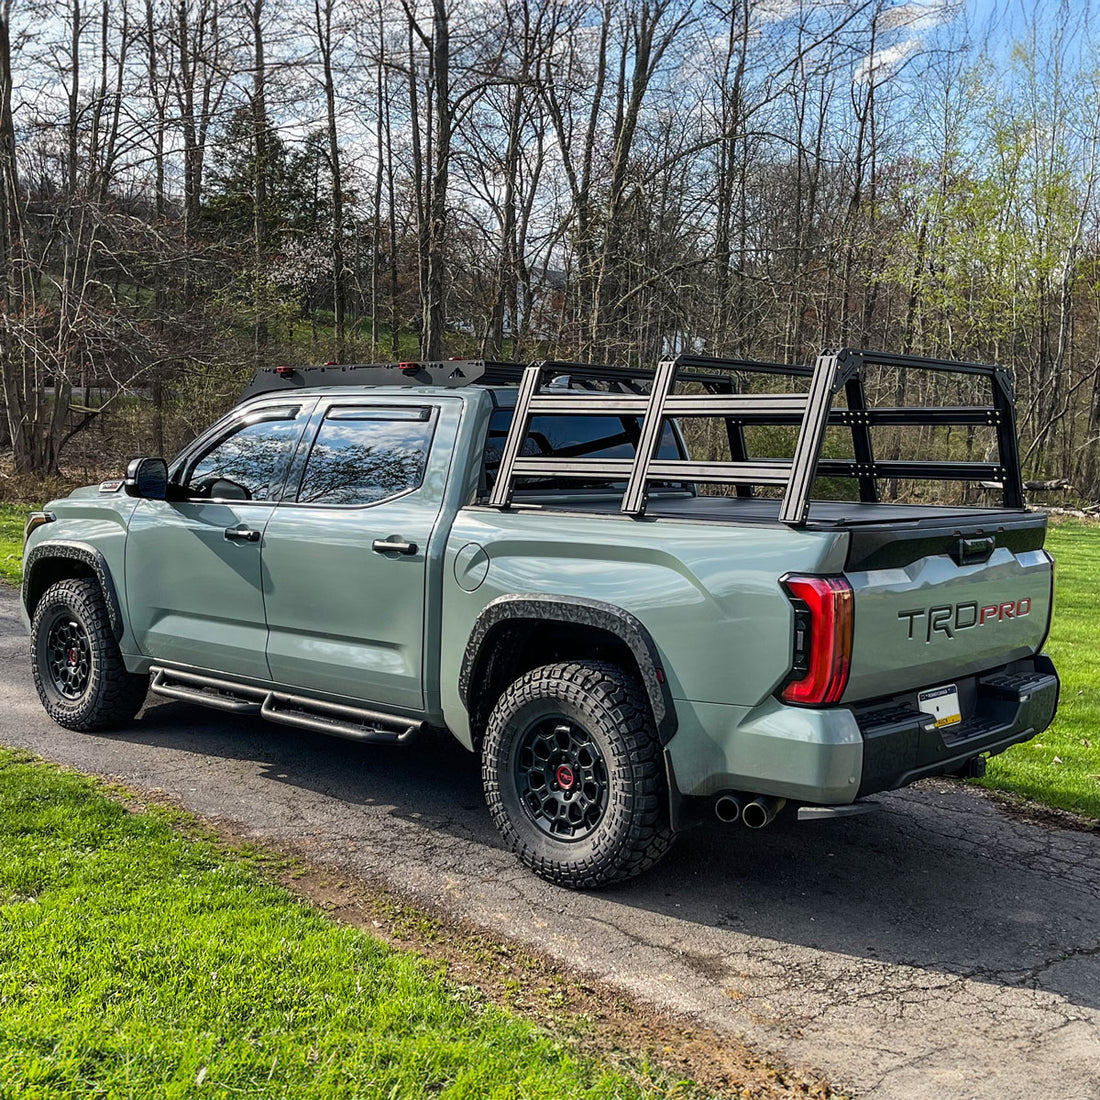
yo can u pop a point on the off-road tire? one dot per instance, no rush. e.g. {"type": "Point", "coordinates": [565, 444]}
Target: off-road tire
{"type": "Point", "coordinates": [633, 832]}
{"type": "Point", "coordinates": [112, 696]}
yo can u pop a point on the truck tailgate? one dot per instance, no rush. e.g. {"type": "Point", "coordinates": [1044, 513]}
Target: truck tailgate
{"type": "Point", "coordinates": [945, 613]}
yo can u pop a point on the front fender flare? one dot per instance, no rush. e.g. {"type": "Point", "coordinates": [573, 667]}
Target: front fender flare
{"type": "Point", "coordinates": [580, 611]}
{"type": "Point", "coordinates": [55, 549]}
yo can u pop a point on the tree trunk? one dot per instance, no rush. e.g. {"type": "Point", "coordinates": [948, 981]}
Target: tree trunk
{"type": "Point", "coordinates": [259, 181]}
{"type": "Point", "coordinates": [434, 304]}
{"type": "Point", "coordinates": [339, 273]}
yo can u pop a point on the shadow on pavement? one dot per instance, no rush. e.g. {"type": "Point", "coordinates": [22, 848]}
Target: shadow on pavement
{"type": "Point", "coordinates": [938, 879]}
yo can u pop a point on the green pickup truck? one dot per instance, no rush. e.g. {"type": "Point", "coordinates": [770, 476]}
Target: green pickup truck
{"type": "Point", "coordinates": [529, 558]}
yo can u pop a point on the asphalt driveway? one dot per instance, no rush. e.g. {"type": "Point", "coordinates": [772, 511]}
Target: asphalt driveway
{"type": "Point", "coordinates": [937, 949]}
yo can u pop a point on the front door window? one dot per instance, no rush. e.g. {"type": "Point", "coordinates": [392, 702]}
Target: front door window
{"type": "Point", "coordinates": [249, 463]}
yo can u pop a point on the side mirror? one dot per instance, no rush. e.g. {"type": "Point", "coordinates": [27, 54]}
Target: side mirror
{"type": "Point", "coordinates": [148, 478]}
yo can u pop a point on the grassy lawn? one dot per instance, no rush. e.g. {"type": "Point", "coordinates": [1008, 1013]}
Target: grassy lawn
{"type": "Point", "coordinates": [1061, 767]}
{"type": "Point", "coordinates": [12, 518]}
{"type": "Point", "coordinates": [135, 961]}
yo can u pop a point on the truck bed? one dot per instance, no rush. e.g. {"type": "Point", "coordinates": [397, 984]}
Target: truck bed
{"type": "Point", "coordinates": [822, 513]}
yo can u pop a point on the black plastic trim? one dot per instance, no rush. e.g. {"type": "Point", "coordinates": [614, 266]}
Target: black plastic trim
{"type": "Point", "coordinates": [72, 551]}
{"type": "Point", "coordinates": [583, 612]}
{"type": "Point", "coordinates": [901, 746]}
{"type": "Point", "coordinates": [893, 546]}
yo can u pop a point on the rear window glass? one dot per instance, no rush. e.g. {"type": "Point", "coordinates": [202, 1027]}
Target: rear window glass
{"type": "Point", "coordinates": [573, 437]}
{"type": "Point", "coordinates": [363, 458]}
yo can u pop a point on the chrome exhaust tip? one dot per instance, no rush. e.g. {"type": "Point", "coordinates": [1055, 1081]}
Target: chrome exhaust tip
{"type": "Point", "coordinates": [761, 811]}
{"type": "Point", "coordinates": [727, 807]}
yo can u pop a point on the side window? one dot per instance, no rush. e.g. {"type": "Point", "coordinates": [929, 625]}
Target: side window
{"type": "Point", "coordinates": [249, 463]}
{"type": "Point", "coordinates": [362, 456]}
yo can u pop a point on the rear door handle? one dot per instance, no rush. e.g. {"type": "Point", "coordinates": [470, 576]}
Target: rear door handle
{"type": "Point", "coordinates": [240, 533]}
{"type": "Point", "coordinates": [393, 545]}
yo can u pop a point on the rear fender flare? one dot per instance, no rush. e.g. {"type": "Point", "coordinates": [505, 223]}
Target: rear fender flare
{"type": "Point", "coordinates": [579, 611]}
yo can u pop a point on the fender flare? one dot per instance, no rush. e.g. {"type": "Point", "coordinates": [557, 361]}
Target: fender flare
{"type": "Point", "coordinates": [73, 551]}
{"type": "Point", "coordinates": [579, 611]}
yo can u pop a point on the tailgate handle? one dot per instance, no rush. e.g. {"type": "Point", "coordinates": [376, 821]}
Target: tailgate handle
{"type": "Point", "coordinates": [974, 551]}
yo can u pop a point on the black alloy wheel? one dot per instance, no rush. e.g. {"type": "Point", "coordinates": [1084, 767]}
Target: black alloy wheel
{"type": "Point", "coordinates": [68, 655]}
{"type": "Point", "coordinates": [78, 666]}
{"type": "Point", "coordinates": [561, 777]}
{"type": "Point", "coordinates": [574, 774]}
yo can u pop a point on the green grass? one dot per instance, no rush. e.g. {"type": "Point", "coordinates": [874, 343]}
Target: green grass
{"type": "Point", "coordinates": [137, 961]}
{"type": "Point", "coordinates": [12, 518]}
{"type": "Point", "coordinates": [1061, 767]}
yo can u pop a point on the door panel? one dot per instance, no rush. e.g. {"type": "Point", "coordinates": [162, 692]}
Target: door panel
{"type": "Point", "coordinates": [194, 596]}
{"type": "Point", "coordinates": [194, 586]}
{"type": "Point", "coordinates": [345, 618]}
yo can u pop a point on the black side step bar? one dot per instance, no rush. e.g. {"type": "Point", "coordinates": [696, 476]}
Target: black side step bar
{"type": "Point", "coordinates": [336, 719]}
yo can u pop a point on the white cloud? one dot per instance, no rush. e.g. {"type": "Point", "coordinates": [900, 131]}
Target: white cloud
{"type": "Point", "coordinates": [921, 15]}
{"type": "Point", "coordinates": [773, 11]}
{"type": "Point", "coordinates": [886, 59]}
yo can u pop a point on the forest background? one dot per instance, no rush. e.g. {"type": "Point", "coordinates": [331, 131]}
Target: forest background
{"type": "Point", "coordinates": [193, 188]}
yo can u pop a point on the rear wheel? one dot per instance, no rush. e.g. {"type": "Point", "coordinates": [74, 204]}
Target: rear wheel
{"type": "Point", "coordinates": [574, 776]}
{"type": "Point", "coordinates": [78, 667]}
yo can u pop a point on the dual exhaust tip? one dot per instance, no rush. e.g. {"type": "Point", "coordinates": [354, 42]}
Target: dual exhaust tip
{"type": "Point", "coordinates": [754, 813]}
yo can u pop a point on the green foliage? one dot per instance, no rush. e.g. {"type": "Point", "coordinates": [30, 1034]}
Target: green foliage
{"type": "Point", "coordinates": [136, 962]}
{"type": "Point", "coordinates": [12, 518]}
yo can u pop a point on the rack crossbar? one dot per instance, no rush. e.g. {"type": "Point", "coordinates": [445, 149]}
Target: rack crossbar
{"type": "Point", "coordinates": [916, 471]}
{"type": "Point", "coordinates": [749, 406]}
{"type": "Point", "coordinates": [774, 472]}
{"type": "Point", "coordinates": [609, 469]}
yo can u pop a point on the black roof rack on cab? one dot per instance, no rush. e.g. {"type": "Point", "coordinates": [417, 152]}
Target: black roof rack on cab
{"type": "Point", "coordinates": [455, 373]}
{"type": "Point", "coordinates": [447, 373]}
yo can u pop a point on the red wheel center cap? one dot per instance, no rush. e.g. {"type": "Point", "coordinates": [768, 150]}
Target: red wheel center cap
{"type": "Point", "coordinates": [565, 777]}
{"type": "Point", "coordinates": [73, 656]}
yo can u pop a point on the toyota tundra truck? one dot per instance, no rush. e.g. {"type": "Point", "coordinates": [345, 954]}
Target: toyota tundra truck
{"type": "Point", "coordinates": [630, 638]}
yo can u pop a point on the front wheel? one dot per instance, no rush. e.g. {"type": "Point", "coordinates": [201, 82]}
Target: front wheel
{"type": "Point", "coordinates": [78, 667]}
{"type": "Point", "coordinates": [574, 777]}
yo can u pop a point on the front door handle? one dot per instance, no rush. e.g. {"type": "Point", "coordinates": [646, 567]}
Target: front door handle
{"type": "Point", "coordinates": [240, 533]}
{"type": "Point", "coordinates": [393, 545]}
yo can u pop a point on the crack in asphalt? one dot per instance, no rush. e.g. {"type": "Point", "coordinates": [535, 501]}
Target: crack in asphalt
{"type": "Point", "coordinates": [938, 950]}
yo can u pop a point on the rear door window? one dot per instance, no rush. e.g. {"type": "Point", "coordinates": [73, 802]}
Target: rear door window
{"type": "Point", "coordinates": [367, 455]}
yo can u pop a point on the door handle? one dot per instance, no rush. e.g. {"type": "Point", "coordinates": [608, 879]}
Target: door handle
{"type": "Point", "coordinates": [393, 545]}
{"type": "Point", "coordinates": [240, 533]}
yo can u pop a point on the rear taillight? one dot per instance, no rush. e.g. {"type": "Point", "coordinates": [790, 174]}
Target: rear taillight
{"type": "Point", "coordinates": [823, 612]}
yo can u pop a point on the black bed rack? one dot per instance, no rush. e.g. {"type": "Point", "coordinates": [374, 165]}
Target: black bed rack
{"type": "Point", "coordinates": [812, 412]}
{"type": "Point", "coordinates": [649, 395]}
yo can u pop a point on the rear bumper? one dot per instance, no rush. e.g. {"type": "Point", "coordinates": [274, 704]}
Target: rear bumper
{"type": "Point", "coordinates": [1000, 709]}
{"type": "Point", "coordinates": [834, 755]}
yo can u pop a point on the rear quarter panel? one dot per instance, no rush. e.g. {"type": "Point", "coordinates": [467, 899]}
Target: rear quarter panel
{"type": "Point", "coordinates": [709, 594]}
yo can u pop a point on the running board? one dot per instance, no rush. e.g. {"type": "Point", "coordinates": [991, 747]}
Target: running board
{"type": "Point", "coordinates": [210, 691]}
{"type": "Point", "coordinates": [335, 719]}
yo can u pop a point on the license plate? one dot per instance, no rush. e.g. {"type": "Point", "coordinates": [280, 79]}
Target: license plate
{"type": "Point", "coordinates": [942, 703]}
